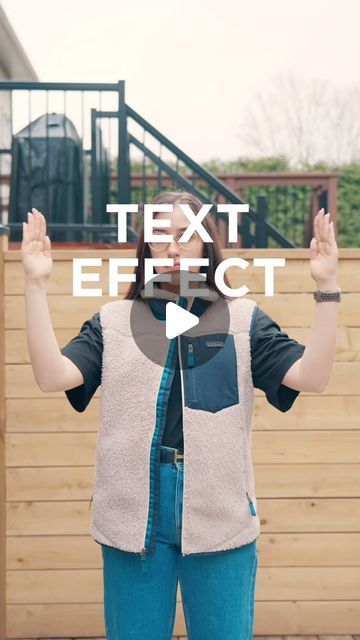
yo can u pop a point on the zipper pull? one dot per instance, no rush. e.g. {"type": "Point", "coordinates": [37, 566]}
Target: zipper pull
{"type": "Point", "coordinates": [143, 560]}
{"type": "Point", "coordinates": [252, 508]}
{"type": "Point", "coordinates": [190, 355]}
{"type": "Point", "coordinates": [90, 501]}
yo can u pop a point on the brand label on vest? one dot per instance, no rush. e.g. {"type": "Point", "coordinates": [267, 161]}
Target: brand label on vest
{"type": "Point", "coordinates": [215, 344]}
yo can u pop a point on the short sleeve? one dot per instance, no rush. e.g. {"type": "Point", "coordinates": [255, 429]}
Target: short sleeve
{"type": "Point", "coordinates": [85, 351]}
{"type": "Point", "coordinates": [273, 352]}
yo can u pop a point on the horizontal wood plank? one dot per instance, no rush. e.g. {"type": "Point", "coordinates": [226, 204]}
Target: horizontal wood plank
{"type": "Point", "coordinates": [272, 480]}
{"type": "Point", "coordinates": [274, 550]}
{"type": "Point", "coordinates": [275, 583]}
{"type": "Point", "coordinates": [306, 617]}
{"type": "Point", "coordinates": [67, 311]}
{"type": "Point", "coordinates": [283, 515]}
{"type": "Point", "coordinates": [51, 414]}
{"type": "Point", "coordinates": [268, 447]}
{"type": "Point", "coordinates": [308, 412]}
{"type": "Point", "coordinates": [20, 381]}
{"type": "Point", "coordinates": [320, 411]}
{"type": "Point", "coordinates": [270, 618]}
{"type": "Point", "coordinates": [55, 621]}
{"type": "Point", "coordinates": [347, 342]}
{"type": "Point", "coordinates": [294, 276]}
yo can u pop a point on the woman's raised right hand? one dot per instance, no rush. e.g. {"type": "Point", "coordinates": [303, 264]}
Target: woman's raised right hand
{"type": "Point", "coordinates": [36, 247]}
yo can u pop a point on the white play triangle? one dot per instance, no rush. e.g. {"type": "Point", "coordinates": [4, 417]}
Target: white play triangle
{"type": "Point", "coordinates": [178, 320]}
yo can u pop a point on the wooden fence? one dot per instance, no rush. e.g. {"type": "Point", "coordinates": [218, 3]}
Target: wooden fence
{"type": "Point", "coordinates": [306, 463]}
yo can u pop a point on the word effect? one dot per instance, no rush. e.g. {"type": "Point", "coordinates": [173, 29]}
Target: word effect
{"type": "Point", "coordinates": [186, 274]}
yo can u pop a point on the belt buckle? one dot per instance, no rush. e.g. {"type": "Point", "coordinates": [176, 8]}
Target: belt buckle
{"type": "Point", "coordinates": [178, 455]}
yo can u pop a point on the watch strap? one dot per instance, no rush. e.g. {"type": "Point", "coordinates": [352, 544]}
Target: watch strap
{"type": "Point", "coordinates": [327, 296]}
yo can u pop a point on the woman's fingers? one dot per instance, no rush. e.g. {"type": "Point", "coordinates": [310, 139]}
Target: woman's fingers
{"type": "Point", "coordinates": [28, 228]}
{"type": "Point", "coordinates": [326, 228]}
{"type": "Point", "coordinates": [319, 230]}
{"type": "Point", "coordinates": [332, 238]}
{"type": "Point", "coordinates": [25, 232]}
{"type": "Point", "coordinates": [36, 224]}
{"type": "Point", "coordinates": [42, 227]}
{"type": "Point", "coordinates": [47, 246]}
{"type": "Point", "coordinates": [41, 222]}
{"type": "Point", "coordinates": [322, 228]}
{"type": "Point", "coordinates": [332, 232]}
{"type": "Point", "coordinates": [317, 224]}
{"type": "Point", "coordinates": [326, 225]}
{"type": "Point", "coordinates": [35, 228]}
{"type": "Point", "coordinates": [31, 226]}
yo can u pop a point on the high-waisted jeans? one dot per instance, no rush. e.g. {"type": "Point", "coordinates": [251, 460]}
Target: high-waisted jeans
{"type": "Point", "coordinates": [217, 588]}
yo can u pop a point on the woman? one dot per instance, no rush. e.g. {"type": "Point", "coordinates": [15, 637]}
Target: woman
{"type": "Point", "coordinates": [174, 494]}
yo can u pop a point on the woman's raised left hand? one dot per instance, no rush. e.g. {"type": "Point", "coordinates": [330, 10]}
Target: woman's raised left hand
{"type": "Point", "coordinates": [323, 250]}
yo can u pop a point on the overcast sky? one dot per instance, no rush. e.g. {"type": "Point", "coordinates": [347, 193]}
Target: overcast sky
{"type": "Point", "coordinates": [193, 66]}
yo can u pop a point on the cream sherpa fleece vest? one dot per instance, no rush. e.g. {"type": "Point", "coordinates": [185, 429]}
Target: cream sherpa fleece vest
{"type": "Point", "coordinates": [219, 502]}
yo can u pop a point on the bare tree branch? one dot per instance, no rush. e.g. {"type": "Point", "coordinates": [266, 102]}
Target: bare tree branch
{"type": "Point", "coordinates": [304, 120]}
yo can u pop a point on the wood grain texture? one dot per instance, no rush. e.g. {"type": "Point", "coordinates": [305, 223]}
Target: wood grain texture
{"type": "Point", "coordinates": [306, 464]}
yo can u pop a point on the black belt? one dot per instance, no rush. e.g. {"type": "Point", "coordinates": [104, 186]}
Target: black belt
{"type": "Point", "coordinates": [168, 454]}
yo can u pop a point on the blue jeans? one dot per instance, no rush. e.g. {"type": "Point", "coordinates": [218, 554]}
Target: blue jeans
{"type": "Point", "coordinates": [217, 589]}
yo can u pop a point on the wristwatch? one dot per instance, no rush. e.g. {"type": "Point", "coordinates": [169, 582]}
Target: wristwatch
{"type": "Point", "coordinates": [327, 296]}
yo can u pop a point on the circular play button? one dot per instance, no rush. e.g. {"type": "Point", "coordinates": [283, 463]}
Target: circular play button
{"type": "Point", "coordinates": [194, 315]}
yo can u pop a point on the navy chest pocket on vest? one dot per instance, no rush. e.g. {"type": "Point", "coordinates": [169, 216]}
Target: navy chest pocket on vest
{"type": "Point", "coordinates": [210, 383]}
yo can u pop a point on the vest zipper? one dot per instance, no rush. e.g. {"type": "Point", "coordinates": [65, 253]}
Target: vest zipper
{"type": "Point", "coordinates": [143, 560]}
{"type": "Point", "coordinates": [190, 355]}
{"type": "Point", "coordinates": [145, 549]}
{"type": "Point", "coordinates": [182, 413]}
{"type": "Point", "coordinates": [251, 504]}
{"type": "Point", "coordinates": [143, 553]}
{"type": "Point", "coordinates": [190, 363]}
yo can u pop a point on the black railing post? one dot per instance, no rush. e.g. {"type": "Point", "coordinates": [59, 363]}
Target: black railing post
{"type": "Point", "coordinates": [123, 176]}
{"type": "Point", "coordinates": [261, 236]}
{"type": "Point", "coordinates": [246, 238]}
{"type": "Point", "coordinates": [94, 199]}
{"type": "Point", "coordinates": [323, 200]}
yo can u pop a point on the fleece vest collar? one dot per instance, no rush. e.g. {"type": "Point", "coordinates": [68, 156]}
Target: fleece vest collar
{"type": "Point", "coordinates": [219, 503]}
{"type": "Point", "coordinates": [161, 297]}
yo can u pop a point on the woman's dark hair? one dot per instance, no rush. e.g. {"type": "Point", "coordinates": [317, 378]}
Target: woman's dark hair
{"type": "Point", "coordinates": [212, 250]}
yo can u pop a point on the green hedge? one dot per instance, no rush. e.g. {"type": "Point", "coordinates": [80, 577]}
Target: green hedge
{"type": "Point", "coordinates": [348, 189]}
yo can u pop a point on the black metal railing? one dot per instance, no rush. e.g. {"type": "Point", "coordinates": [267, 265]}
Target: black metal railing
{"type": "Point", "coordinates": [212, 191]}
{"type": "Point", "coordinates": [76, 209]}
{"type": "Point", "coordinates": [73, 102]}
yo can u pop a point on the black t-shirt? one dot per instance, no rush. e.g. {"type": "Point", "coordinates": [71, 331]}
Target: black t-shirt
{"type": "Point", "coordinates": [272, 354]}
